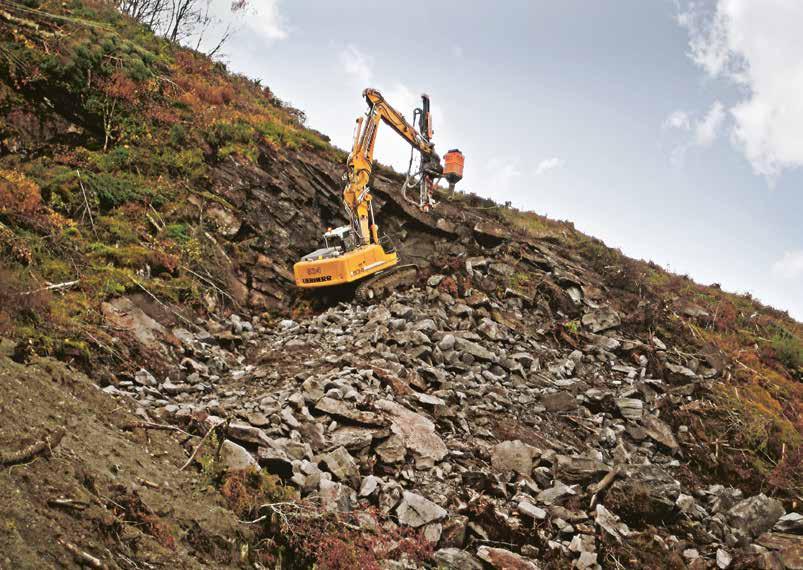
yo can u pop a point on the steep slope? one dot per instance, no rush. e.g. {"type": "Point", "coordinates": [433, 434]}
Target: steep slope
{"type": "Point", "coordinates": [159, 195]}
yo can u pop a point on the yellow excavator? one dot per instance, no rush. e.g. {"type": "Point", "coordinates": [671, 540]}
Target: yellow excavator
{"type": "Point", "coordinates": [356, 251]}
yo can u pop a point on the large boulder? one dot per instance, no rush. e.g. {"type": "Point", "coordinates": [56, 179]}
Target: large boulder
{"type": "Point", "coordinates": [753, 516]}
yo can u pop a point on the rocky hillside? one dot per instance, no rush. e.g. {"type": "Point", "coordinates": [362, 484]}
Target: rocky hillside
{"type": "Point", "coordinates": [170, 400]}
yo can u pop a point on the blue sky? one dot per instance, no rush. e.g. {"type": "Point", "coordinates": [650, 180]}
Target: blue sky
{"type": "Point", "coordinates": [669, 129]}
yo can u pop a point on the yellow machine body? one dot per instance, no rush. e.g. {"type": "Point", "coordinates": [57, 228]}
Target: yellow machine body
{"type": "Point", "coordinates": [345, 268]}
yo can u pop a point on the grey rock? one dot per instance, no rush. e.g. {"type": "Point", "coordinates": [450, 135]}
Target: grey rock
{"type": "Point", "coordinates": [144, 378]}
{"type": "Point", "coordinates": [342, 466]}
{"type": "Point", "coordinates": [610, 523]}
{"type": "Point", "coordinates": [578, 469]}
{"type": "Point", "coordinates": [558, 490]}
{"type": "Point", "coordinates": [514, 456]}
{"type": "Point", "coordinates": [456, 559]}
{"type": "Point", "coordinates": [235, 456]}
{"type": "Point", "coordinates": [474, 349]}
{"type": "Point", "coordinates": [342, 410]}
{"type": "Point", "coordinates": [724, 559]}
{"type": "Point", "coordinates": [336, 497]}
{"type": "Point", "coordinates": [526, 508]}
{"type": "Point", "coordinates": [447, 342]}
{"type": "Point", "coordinates": [351, 437]}
{"type": "Point", "coordinates": [416, 511]}
{"type": "Point", "coordinates": [559, 401]}
{"type": "Point", "coordinates": [416, 432]}
{"type": "Point", "coordinates": [791, 522]}
{"type": "Point", "coordinates": [369, 486]}
{"type": "Point", "coordinates": [601, 319]}
{"type": "Point", "coordinates": [660, 432]}
{"type": "Point", "coordinates": [754, 515]}
{"type": "Point", "coordinates": [630, 408]}
{"type": "Point", "coordinates": [392, 450]}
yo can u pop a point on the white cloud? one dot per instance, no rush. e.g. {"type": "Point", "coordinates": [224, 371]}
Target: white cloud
{"type": "Point", "coordinates": [357, 64]}
{"type": "Point", "coordinates": [790, 266]}
{"type": "Point", "coordinates": [499, 174]}
{"type": "Point", "coordinates": [678, 120]}
{"type": "Point", "coordinates": [266, 19]}
{"type": "Point", "coordinates": [457, 50]}
{"type": "Point", "coordinates": [706, 130]}
{"type": "Point", "coordinates": [758, 46]}
{"type": "Point", "coordinates": [549, 164]}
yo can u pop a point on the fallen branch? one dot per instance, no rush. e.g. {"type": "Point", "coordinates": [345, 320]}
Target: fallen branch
{"type": "Point", "coordinates": [42, 446]}
{"type": "Point", "coordinates": [203, 439]}
{"type": "Point", "coordinates": [603, 484]}
{"type": "Point", "coordinates": [65, 285]}
{"type": "Point", "coordinates": [165, 306]}
{"type": "Point", "coordinates": [150, 425]}
{"type": "Point", "coordinates": [86, 203]}
{"type": "Point", "coordinates": [68, 504]}
{"type": "Point", "coordinates": [84, 557]}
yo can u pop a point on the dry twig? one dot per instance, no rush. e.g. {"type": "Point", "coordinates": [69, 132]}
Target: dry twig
{"type": "Point", "coordinates": [41, 446]}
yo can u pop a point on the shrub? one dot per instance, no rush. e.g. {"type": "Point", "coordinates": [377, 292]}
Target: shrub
{"type": "Point", "coordinates": [788, 349]}
{"type": "Point", "coordinates": [18, 194]}
{"type": "Point", "coordinates": [18, 306]}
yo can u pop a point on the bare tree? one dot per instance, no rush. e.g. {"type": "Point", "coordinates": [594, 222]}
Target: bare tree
{"type": "Point", "coordinates": [179, 21]}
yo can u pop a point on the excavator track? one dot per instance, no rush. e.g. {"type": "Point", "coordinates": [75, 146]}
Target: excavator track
{"type": "Point", "coordinates": [382, 284]}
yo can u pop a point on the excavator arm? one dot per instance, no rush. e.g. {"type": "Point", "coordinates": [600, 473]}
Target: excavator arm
{"type": "Point", "coordinates": [357, 195]}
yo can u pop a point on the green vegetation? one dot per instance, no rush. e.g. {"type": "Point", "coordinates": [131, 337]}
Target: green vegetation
{"type": "Point", "coordinates": [116, 197]}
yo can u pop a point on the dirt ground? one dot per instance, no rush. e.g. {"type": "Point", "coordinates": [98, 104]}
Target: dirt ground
{"type": "Point", "coordinates": [107, 491]}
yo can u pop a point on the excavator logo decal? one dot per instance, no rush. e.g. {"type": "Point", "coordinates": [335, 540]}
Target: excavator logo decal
{"type": "Point", "coordinates": [318, 279]}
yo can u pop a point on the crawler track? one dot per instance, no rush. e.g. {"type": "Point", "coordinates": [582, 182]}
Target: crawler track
{"type": "Point", "coordinates": [383, 283]}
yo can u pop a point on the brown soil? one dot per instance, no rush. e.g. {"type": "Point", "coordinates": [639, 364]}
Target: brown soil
{"type": "Point", "coordinates": [111, 473]}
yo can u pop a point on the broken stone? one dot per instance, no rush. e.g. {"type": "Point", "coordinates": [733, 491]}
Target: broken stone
{"type": "Point", "coordinates": [236, 457]}
{"type": "Point", "coordinates": [601, 319]}
{"type": "Point", "coordinates": [456, 559]}
{"type": "Point", "coordinates": [791, 522]}
{"type": "Point", "coordinates": [630, 408]}
{"type": "Point", "coordinates": [724, 559]}
{"type": "Point", "coordinates": [526, 508]}
{"type": "Point", "coordinates": [502, 559]}
{"type": "Point", "coordinates": [342, 466]}
{"type": "Point", "coordinates": [578, 469]}
{"type": "Point", "coordinates": [514, 456]}
{"type": "Point", "coordinates": [342, 410]}
{"type": "Point", "coordinates": [559, 402]}
{"type": "Point", "coordinates": [369, 486]}
{"type": "Point", "coordinates": [549, 496]}
{"type": "Point", "coordinates": [660, 432]}
{"type": "Point", "coordinates": [336, 497]}
{"type": "Point", "coordinates": [754, 515]}
{"type": "Point", "coordinates": [416, 511]}
{"type": "Point", "coordinates": [611, 524]}
{"type": "Point", "coordinates": [474, 349]}
{"type": "Point", "coordinates": [416, 432]}
{"type": "Point", "coordinates": [392, 450]}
